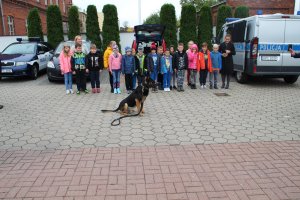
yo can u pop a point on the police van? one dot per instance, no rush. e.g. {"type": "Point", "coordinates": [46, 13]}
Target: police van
{"type": "Point", "coordinates": [262, 44]}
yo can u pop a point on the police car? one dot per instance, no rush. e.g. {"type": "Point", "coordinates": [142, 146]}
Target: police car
{"type": "Point", "coordinates": [25, 58]}
{"type": "Point", "coordinates": [262, 44]}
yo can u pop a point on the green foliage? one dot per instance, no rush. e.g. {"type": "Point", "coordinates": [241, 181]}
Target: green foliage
{"type": "Point", "coordinates": [241, 12]}
{"type": "Point", "coordinates": [199, 3]}
{"type": "Point", "coordinates": [205, 26]}
{"type": "Point", "coordinates": [223, 13]}
{"type": "Point", "coordinates": [154, 18]}
{"type": "Point", "coordinates": [74, 23]}
{"type": "Point", "coordinates": [111, 29]}
{"type": "Point", "coordinates": [92, 26]}
{"type": "Point", "coordinates": [168, 18]}
{"type": "Point", "coordinates": [54, 25]}
{"type": "Point", "coordinates": [34, 24]}
{"type": "Point", "coordinates": [188, 24]}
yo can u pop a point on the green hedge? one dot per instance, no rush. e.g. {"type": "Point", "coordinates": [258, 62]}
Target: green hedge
{"type": "Point", "coordinates": [74, 23]}
{"type": "Point", "coordinates": [241, 12]}
{"type": "Point", "coordinates": [34, 24]}
{"type": "Point", "coordinates": [92, 26]}
{"type": "Point", "coordinates": [54, 26]}
{"type": "Point", "coordinates": [205, 26]}
{"type": "Point", "coordinates": [188, 24]}
{"type": "Point", "coordinates": [223, 13]}
{"type": "Point", "coordinates": [168, 18]}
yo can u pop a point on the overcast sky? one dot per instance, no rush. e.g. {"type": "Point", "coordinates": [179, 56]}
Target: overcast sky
{"type": "Point", "coordinates": [128, 9]}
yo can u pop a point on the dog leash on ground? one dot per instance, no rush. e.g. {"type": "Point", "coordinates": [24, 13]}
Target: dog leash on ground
{"type": "Point", "coordinates": [119, 119]}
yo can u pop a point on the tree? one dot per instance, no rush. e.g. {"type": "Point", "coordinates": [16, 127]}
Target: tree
{"type": "Point", "coordinates": [199, 3]}
{"type": "Point", "coordinates": [205, 26]}
{"type": "Point", "coordinates": [223, 13]}
{"type": "Point", "coordinates": [154, 18]}
{"type": "Point", "coordinates": [74, 22]}
{"type": "Point", "coordinates": [54, 26]}
{"type": "Point", "coordinates": [92, 26]}
{"type": "Point", "coordinates": [125, 25]}
{"type": "Point", "coordinates": [168, 18]}
{"type": "Point", "coordinates": [34, 24]}
{"type": "Point", "coordinates": [110, 25]}
{"type": "Point", "coordinates": [241, 12]}
{"type": "Point", "coordinates": [188, 24]}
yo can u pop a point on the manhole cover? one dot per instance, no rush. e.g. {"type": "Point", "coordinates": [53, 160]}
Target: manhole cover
{"type": "Point", "coordinates": [221, 94]}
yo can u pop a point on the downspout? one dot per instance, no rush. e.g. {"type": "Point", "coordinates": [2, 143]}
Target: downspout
{"type": "Point", "coordinates": [3, 25]}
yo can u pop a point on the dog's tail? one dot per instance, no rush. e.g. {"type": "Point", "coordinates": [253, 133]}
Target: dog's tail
{"type": "Point", "coordinates": [119, 119]}
{"type": "Point", "coordinates": [106, 111]}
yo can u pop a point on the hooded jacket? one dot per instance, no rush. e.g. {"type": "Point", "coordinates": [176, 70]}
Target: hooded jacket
{"type": "Point", "coordinates": [128, 64]}
{"type": "Point", "coordinates": [115, 62]}
{"type": "Point", "coordinates": [94, 61]}
{"type": "Point", "coordinates": [78, 61]}
{"type": "Point", "coordinates": [201, 61]}
{"type": "Point", "coordinates": [193, 57]}
{"type": "Point", "coordinates": [164, 68]}
{"type": "Point", "coordinates": [178, 58]}
{"type": "Point", "coordinates": [65, 63]}
{"type": "Point", "coordinates": [106, 55]}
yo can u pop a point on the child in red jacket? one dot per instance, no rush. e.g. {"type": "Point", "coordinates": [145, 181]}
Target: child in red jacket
{"type": "Point", "coordinates": [204, 64]}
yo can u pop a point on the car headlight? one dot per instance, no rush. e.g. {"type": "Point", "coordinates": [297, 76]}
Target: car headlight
{"type": "Point", "coordinates": [20, 63]}
{"type": "Point", "coordinates": [50, 64]}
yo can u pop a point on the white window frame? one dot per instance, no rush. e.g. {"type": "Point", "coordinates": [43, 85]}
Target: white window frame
{"type": "Point", "coordinates": [57, 3]}
{"type": "Point", "coordinates": [11, 25]}
{"type": "Point", "coordinates": [51, 2]}
{"type": "Point", "coordinates": [64, 6]}
{"type": "Point", "coordinates": [26, 25]}
{"type": "Point", "coordinates": [46, 2]}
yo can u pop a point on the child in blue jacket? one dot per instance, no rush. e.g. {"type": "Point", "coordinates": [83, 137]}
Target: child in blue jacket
{"type": "Point", "coordinates": [128, 69]}
{"type": "Point", "coordinates": [216, 58]}
{"type": "Point", "coordinates": [166, 69]}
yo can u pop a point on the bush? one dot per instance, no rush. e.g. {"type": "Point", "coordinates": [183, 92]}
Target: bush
{"type": "Point", "coordinates": [205, 26]}
{"type": "Point", "coordinates": [74, 23]}
{"type": "Point", "coordinates": [241, 12]}
{"type": "Point", "coordinates": [54, 26]}
{"type": "Point", "coordinates": [188, 24]}
{"type": "Point", "coordinates": [223, 13]}
{"type": "Point", "coordinates": [34, 24]}
{"type": "Point", "coordinates": [154, 18]}
{"type": "Point", "coordinates": [168, 19]}
{"type": "Point", "coordinates": [111, 29]}
{"type": "Point", "coordinates": [92, 26]}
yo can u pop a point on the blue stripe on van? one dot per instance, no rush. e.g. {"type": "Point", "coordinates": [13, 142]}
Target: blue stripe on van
{"type": "Point", "coordinates": [266, 47]}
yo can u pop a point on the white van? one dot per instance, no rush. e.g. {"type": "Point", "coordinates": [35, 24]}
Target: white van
{"type": "Point", "coordinates": [262, 43]}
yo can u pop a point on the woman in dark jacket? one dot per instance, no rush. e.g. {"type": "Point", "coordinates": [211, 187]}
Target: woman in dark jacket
{"type": "Point", "coordinates": [227, 50]}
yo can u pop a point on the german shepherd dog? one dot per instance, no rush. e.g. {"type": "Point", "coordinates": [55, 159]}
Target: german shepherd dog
{"type": "Point", "coordinates": [135, 99]}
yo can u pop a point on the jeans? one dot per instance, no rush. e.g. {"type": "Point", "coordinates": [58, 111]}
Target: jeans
{"type": "Point", "coordinates": [116, 78]}
{"type": "Point", "coordinates": [188, 76]}
{"type": "Point", "coordinates": [111, 80]}
{"type": "Point", "coordinates": [193, 75]}
{"type": "Point", "coordinates": [160, 80]}
{"type": "Point", "coordinates": [167, 79]}
{"type": "Point", "coordinates": [95, 79]}
{"type": "Point", "coordinates": [80, 80]}
{"type": "Point", "coordinates": [213, 76]}
{"type": "Point", "coordinates": [225, 76]}
{"type": "Point", "coordinates": [203, 76]}
{"type": "Point", "coordinates": [153, 75]}
{"type": "Point", "coordinates": [180, 77]}
{"type": "Point", "coordinates": [134, 77]}
{"type": "Point", "coordinates": [174, 76]}
{"type": "Point", "coordinates": [128, 82]}
{"type": "Point", "coordinates": [68, 80]}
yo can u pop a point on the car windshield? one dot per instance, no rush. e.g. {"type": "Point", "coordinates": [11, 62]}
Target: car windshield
{"type": "Point", "coordinates": [86, 47]}
{"type": "Point", "coordinates": [28, 48]}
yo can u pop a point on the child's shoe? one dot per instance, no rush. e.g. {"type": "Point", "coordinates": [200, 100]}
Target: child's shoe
{"type": "Point", "coordinates": [115, 91]}
{"type": "Point", "coordinates": [98, 90]}
{"type": "Point", "coordinates": [181, 89]}
{"type": "Point", "coordinates": [211, 87]}
{"type": "Point", "coordinates": [204, 86]}
{"type": "Point", "coordinates": [223, 86]}
{"type": "Point", "coordinates": [67, 91]}
{"type": "Point", "coordinates": [174, 87]}
{"type": "Point", "coordinates": [71, 91]}
{"type": "Point", "coordinates": [93, 90]}
{"type": "Point", "coordinates": [216, 87]}
{"type": "Point", "coordinates": [165, 89]}
{"type": "Point", "coordinates": [78, 92]}
{"type": "Point", "coordinates": [86, 91]}
{"type": "Point", "coordinates": [118, 91]}
{"type": "Point", "coordinates": [171, 88]}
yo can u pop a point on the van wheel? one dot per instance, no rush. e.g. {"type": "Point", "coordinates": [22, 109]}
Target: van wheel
{"type": "Point", "coordinates": [241, 77]}
{"type": "Point", "coordinates": [291, 79]}
{"type": "Point", "coordinates": [34, 72]}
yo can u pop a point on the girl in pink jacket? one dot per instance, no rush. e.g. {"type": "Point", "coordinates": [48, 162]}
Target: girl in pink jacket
{"type": "Point", "coordinates": [65, 67]}
{"type": "Point", "coordinates": [115, 62]}
{"type": "Point", "coordinates": [192, 57]}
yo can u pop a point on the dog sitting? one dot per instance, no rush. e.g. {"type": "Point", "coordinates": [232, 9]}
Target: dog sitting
{"type": "Point", "coordinates": [135, 99]}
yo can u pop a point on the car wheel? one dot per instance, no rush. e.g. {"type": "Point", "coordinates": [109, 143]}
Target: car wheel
{"type": "Point", "coordinates": [34, 72]}
{"type": "Point", "coordinates": [241, 77]}
{"type": "Point", "coordinates": [291, 79]}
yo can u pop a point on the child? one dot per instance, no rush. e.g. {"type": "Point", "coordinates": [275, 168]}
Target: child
{"type": "Point", "coordinates": [128, 68]}
{"type": "Point", "coordinates": [190, 44]}
{"type": "Point", "coordinates": [192, 57]}
{"type": "Point", "coordinates": [180, 65]}
{"type": "Point", "coordinates": [141, 68]}
{"type": "Point", "coordinates": [174, 75]}
{"type": "Point", "coordinates": [153, 65]}
{"type": "Point", "coordinates": [160, 53]}
{"type": "Point", "coordinates": [134, 76]}
{"type": "Point", "coordinates": [166, 70]}
{"type": "Point", "coordinates": [204, 64]}
{"type": "Point", "coordinates": [115, 61]}
{"type": "Point", "coordinates": [65, 67]}
{"type": "Point", "coordinates": [79, 68]}
{"type": "Point", "coordinates": [216, 59]}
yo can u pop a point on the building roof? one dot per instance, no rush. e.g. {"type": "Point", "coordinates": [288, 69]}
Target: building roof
{"type": "Point", "coordinates": [217, 4]}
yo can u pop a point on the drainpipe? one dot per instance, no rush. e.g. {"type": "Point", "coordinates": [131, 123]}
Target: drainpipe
{"type": "Point", "coordinates": [3, 25]}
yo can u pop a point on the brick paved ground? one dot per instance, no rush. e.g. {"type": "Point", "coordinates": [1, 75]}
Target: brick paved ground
{"type": "Point", "coordinates": [255, 171]}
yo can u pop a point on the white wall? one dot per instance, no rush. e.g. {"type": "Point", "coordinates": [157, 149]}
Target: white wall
{"type": "Point", "coordinates": [297, 6]}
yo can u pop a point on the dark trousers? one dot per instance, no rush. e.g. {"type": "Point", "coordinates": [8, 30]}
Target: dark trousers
{"type": "Point", "coordinates": [80, 80]}
{"type": "Point", "coordinates": [128, 82]}
{"type": "Point", "coordinates": [160, 80]}
{"type": "Point", "coordinates": [95, 79]}
{"type": "Point", "coordinates": [188, 76]}
{"type": "Point", "coordinates": [140, 79]}
{"type": "Point", "coordinates": [225, 77]}
{"type": "Point", "coordinates": [111, 80]}
{"type": "Point", "coordinates": [203, 76]}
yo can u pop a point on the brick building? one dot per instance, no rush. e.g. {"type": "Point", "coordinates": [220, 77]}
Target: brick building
{"type": "Point", "coordinates": [267, 6]}
{"type": "Point", "coordinates": [13, 14]}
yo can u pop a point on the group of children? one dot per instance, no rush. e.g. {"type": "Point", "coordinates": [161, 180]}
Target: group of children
{"type": "Point", "coordinates": [162, 67]}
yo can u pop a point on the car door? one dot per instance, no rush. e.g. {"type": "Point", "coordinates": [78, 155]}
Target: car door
{"type": "Point", "coordinates": [238, 39]}
{"type": "Point", "coordinates": [41, 57]}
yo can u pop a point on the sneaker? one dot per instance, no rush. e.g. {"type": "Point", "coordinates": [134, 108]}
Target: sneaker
{"type": "Point", "coordinates": [227, 87]}
{"type": "Point", "coordinates": [211, 87]}
{"type": "Point", "coordinates": [128, 92]}
{"type": "Point", "coordinates": [181, 89]}
{"type": "Point", "coordinates": [112, 90]}
{"type": "Point", "coordinates": [115, 91]}
{"type": "Point", "coordinates": [216, 87]}
{"type": "Point", "coordinates": [67, 91]}
{"type": "Point", "coordinates": [168, 89]}
{"type": "Point", "coordinates": [174, 87]}
{"type": "Point", "coordinates": [223, 86]}
{"type": "Point", "coordinates": [118, 90]}
{"type": "Point", "coordinates": [86, 91]}
{"type": "Point", "coordinates": [78, 92]}
{"type": "Point", "coordinates": [93, 90]}
{"type": "Point", "coordinates": [204, 86]}
{"type": "Point", "coordinates": [98, 90]}
{"type": "Point", "coordinates": [165, 89]}
{"type": "Point", "coordinates": [71, 91]}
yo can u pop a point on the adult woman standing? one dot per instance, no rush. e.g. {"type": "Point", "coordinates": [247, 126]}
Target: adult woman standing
{"type": "Point", "coordinates": [227, 50]}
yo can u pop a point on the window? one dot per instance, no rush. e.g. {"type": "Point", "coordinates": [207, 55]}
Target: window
{"type": "Point", "coordinates": [26, 25]}
{"type": "Point", "coordinates": [57, 2]}
{"type": "Point", "coordinates": [46, 2]}
{"type": "Point", "coordinates": [64, 6]}
{"type": "Point", "coordinates": [11, 26]}
{"type": "Point", "coordinates": [51, 2]}
{"type": "Point", "coordinates": [38, 1]}
{"type": "Point", "coordinates": [238, 31]}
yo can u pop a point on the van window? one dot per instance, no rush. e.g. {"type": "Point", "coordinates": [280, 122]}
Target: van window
{"type": "Point", "coordinates": [250, 31]}
{"type": "Point", "coordinates": [238, 31]}
{"type": "Point", "coordinates": [220, 36]}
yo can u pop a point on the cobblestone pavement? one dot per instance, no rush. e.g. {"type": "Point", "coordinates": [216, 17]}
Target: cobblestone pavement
{"type": "Point", "coordinates": [247, 171]}
{"type": "Point", "coordinates": [38, 115]}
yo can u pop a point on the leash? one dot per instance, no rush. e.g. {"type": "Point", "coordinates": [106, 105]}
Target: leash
{"type": "Point", "coordinates": [119, 119]}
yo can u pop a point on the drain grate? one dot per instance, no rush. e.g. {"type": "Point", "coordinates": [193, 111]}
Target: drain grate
{"type": "Point", "coordinates": [221, 94]}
